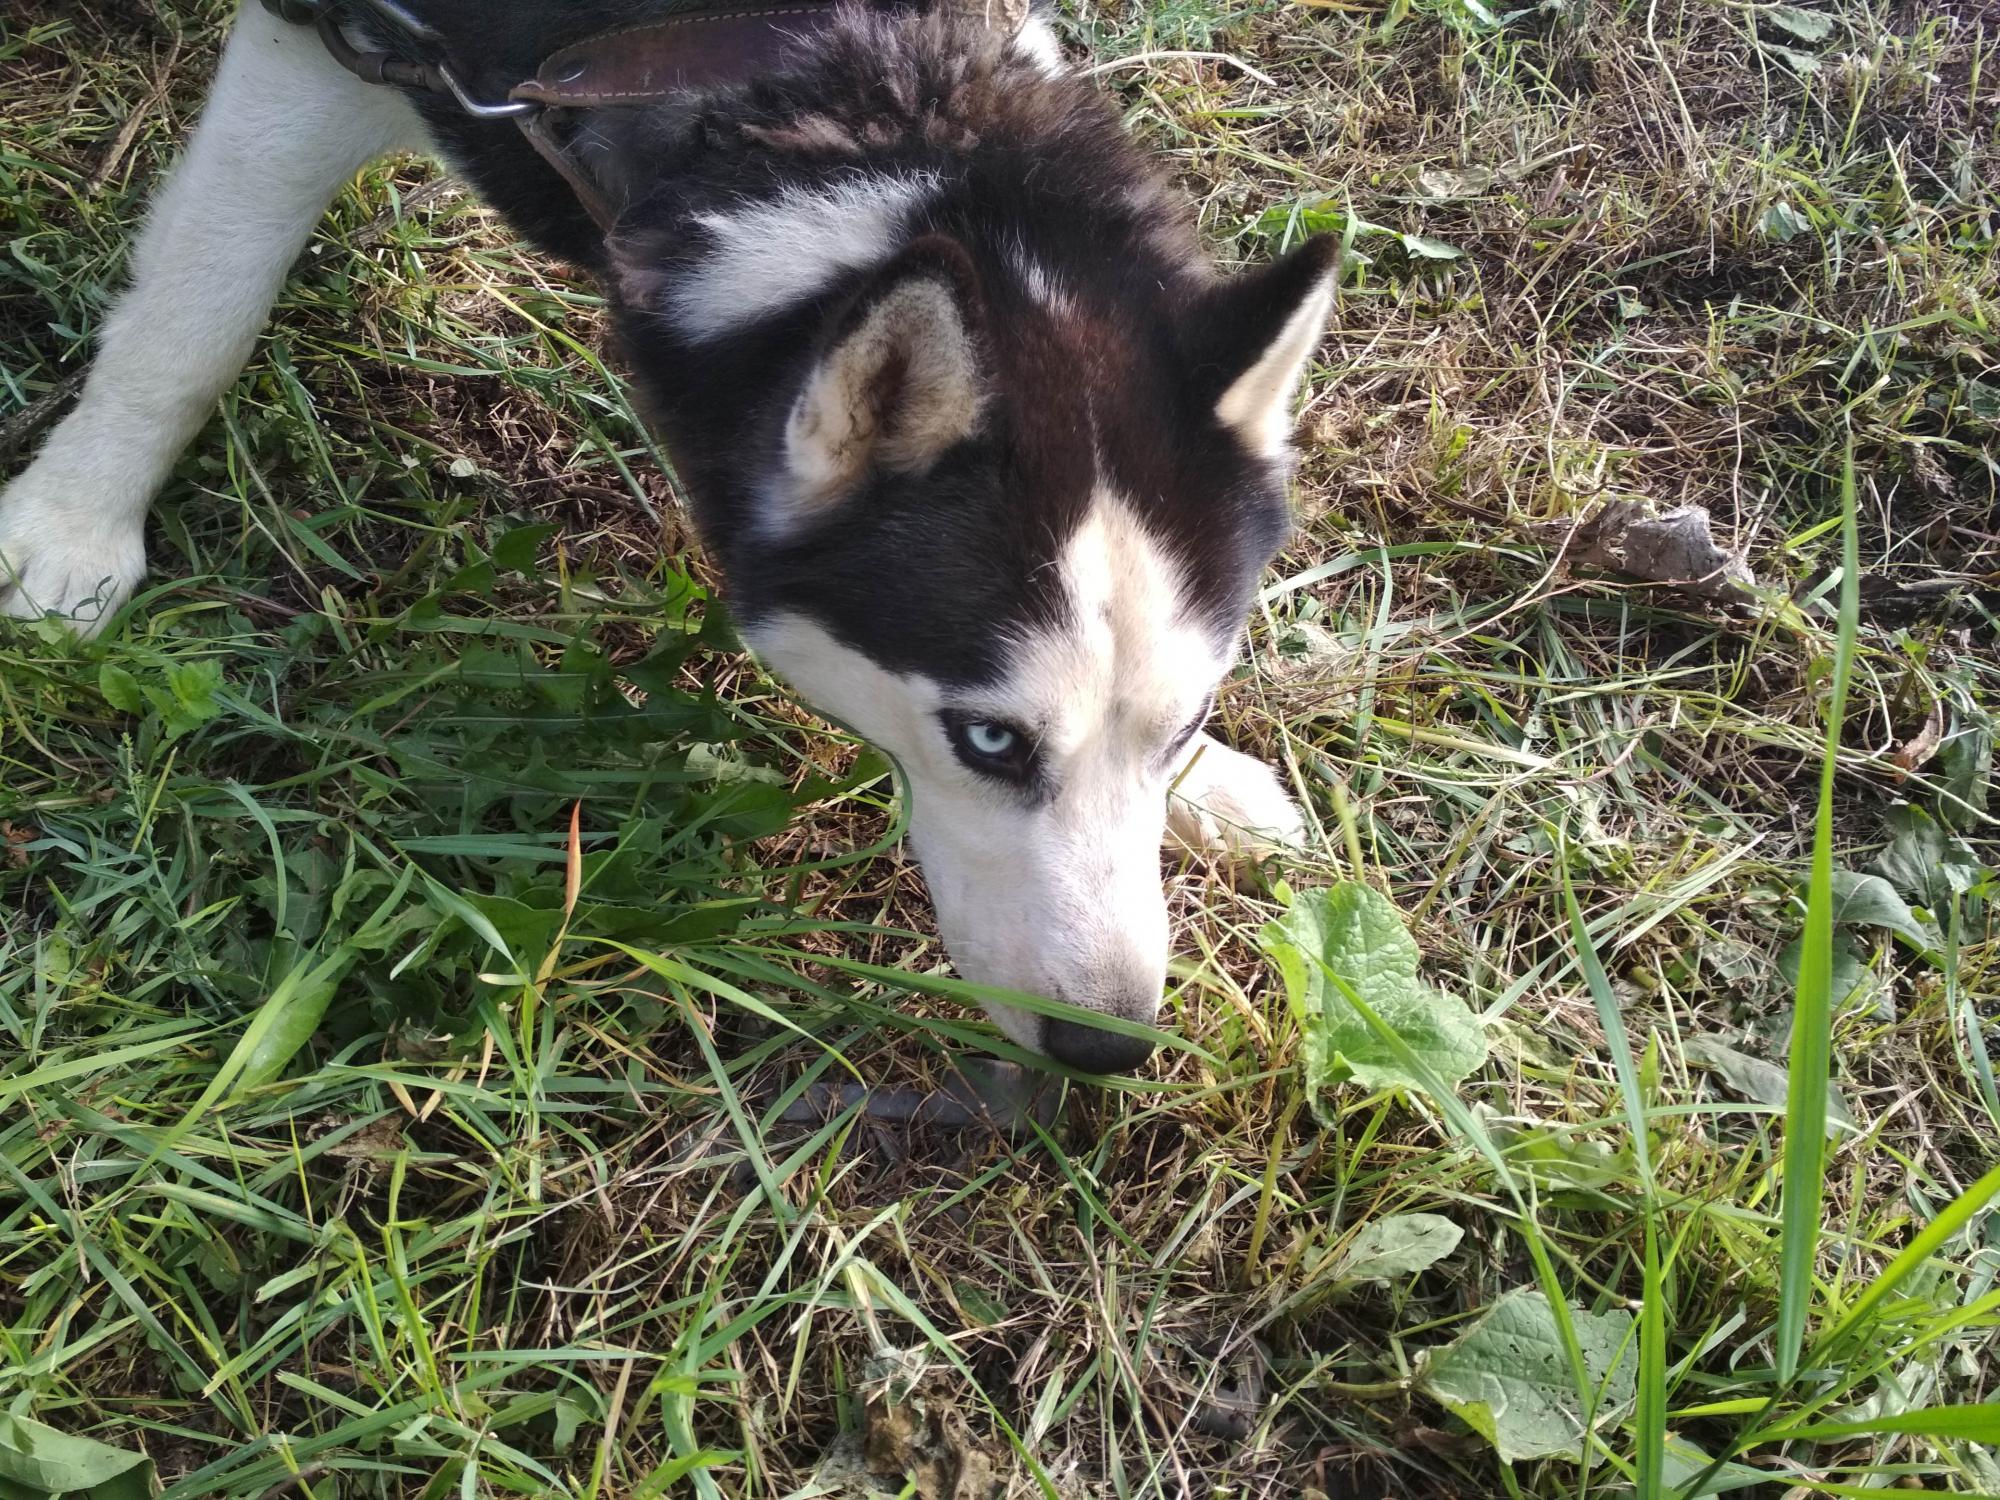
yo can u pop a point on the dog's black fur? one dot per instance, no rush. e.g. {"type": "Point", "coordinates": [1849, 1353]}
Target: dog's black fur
{"type": "Point", "coordinates": [1117, 382]}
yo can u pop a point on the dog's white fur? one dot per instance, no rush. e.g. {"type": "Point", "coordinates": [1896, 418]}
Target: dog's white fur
{"type": "Point", "coordinates": [1064, 899]}
{"type": "Point", "coordinates": [776, 253]}
{"type": "Point", "coordinates": [285, 126]}
{"type": "Point", "coordinates": [1037, 40]}
{"type": "Point", "coordinates": [1225, 802]}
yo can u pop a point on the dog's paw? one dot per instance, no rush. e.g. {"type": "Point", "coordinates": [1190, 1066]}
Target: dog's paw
{"type": "Point", "coordinates": [57, 558]}
{"type": "Point", "coordinates": [1232, 804]}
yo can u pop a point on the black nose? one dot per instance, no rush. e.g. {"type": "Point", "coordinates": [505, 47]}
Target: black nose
{"type": "Point", "coordinates": [1091, 1050]}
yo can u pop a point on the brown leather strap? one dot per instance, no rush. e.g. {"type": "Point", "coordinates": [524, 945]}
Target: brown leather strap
{"type": "Point", "coordinates": [694, 51]}
{"type": "Point", "coordinates": [654, 60]}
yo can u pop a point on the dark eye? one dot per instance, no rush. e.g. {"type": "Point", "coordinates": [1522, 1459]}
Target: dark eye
{"type": "Point", "coordinates": [991, 747]}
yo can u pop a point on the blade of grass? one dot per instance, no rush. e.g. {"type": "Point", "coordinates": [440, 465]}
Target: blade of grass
{"type": "Point", "coordinates": [1650, 1417]}
{"type": "Point", "coordinates": [1978, 1424]}
{"type": "Point", "coordinates": [1812, 1013]}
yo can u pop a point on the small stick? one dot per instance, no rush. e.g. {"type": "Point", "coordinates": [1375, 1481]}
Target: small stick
{"type": "Point", "coordinates": [19, 429]}
{"type": "Point", "coordinates": [135, 120]}
{"type": "Point", "coordinates": [1138, 59]}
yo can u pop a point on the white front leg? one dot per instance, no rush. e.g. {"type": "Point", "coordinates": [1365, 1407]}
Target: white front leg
{"type": "Point", "coordinates": [1226, 802]}
{"type": "Point", "coordinates": [284, 127]}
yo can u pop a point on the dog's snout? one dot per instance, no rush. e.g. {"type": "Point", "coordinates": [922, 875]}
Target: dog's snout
{"type": "Point", "coordinates": [1092, 1049]}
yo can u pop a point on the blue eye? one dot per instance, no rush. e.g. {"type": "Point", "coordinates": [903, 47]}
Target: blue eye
{"type": "Point", "coordinates": [995, 740]}
{"type": "Point", "coordinates": [990, 747]}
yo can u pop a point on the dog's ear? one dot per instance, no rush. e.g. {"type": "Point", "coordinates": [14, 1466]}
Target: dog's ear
{"type": "Point", "coordinates": [1251, 338]}
{"type": "Point", "coordinates": [896, 381]}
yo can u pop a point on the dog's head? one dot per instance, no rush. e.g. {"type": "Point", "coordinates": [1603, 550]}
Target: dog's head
{"type": "Point", "coordinates": [993, 489]}
{"type": "Point", "coordinates": [1015, 547]}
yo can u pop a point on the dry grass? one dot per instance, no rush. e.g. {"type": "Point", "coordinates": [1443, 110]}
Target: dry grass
{"type": "Point", "coordinates": [546, 1234]}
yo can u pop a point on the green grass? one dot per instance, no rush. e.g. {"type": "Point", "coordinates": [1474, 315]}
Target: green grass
{"type": "Point", "coordinates": [416, 917]}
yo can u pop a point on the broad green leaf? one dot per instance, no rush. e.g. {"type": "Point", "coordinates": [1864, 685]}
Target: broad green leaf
{"type": "Point", "coordinates": [1764, 1082]}
{"type": "Point", "coordinates": [1854, 983]}
{"type": "Point", "coordinates": [1425, 248]}
{"type": "Point", "coordinates": [1926, 863]}
{"type": "Point", "coordinates": [1799, 62]}
{"type": "Point", "coordinates": [40, 1463]}
{"type": "Point", "coordinates": [453, 904]}
{"type": "Point", "coordinates": [1870, 901]}
{"type": "Point", "coordinates": [285, 1022]}
{"type": "Point", "coordinates": [1806, 25]}
{"type": "Point", "coordinates": [1352, 931]}
{"type": "Point", "coordinates": [1557, 1160]}
{"type": "Point", "coordinates": [1390, 1249]}
{"type": "Point", "coordinates": [1966, 758]}
{"type": "Point", "coordinates": [981, 1308]}
{"type": "Point", "coordinates": [1783, 223]}
{"type": "Point", "coordinates": [189, 700]}
{"type": "Point", "coordinates": [282, 1025]}
{"type": "Point", "coordinates": [516, 550]}
{"type": "Point", "coordinates": [1455, 183]}
{"type": "Point", "coordinates": [1509, 1376]}
{"type": "Point", "coordinates": [120, 688]}
{"type": "Point", "coordinates": [718, 763]}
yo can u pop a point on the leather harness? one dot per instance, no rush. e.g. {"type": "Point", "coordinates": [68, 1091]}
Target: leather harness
{"type": "Point", "coordinates": [682, 51]}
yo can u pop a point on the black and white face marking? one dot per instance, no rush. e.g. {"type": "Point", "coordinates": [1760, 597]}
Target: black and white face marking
{"type": "Point", "coordinates": [1038, 774]}
{"type": "Point", "coordinates": [1038, 798]}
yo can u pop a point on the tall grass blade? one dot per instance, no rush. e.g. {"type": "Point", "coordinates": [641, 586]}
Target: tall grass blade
{"type": "Point", "coordinates": [1812, 1013]}
{"type": "Point", "coordinates": [1650, 1415]}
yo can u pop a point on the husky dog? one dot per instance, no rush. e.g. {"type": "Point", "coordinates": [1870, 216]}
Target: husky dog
{"type": "Point", "coordinates": [990, 457]}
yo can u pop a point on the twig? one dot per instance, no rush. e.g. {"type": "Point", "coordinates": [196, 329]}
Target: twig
{"type": "Point", "coordinates": [18, 430]}
{"type": "Point", "coordinates": [420, 197]}
{"type": "Point", "coordinates": [1139, 58]}
{"type": "Point", "coordinates": [135, 120]}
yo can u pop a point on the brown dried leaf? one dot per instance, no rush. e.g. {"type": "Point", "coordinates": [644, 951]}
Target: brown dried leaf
{"type": "Point", "coordinates": [1677, 547]}
{"type": "Point", "coordinates": [1921, 746]}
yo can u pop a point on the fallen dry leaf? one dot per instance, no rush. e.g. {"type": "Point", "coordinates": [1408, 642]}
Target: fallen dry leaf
{"type": "Point", "coordinates": [1676, 547]}
{"type": "Point", "coordinates": [1921, 746]}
